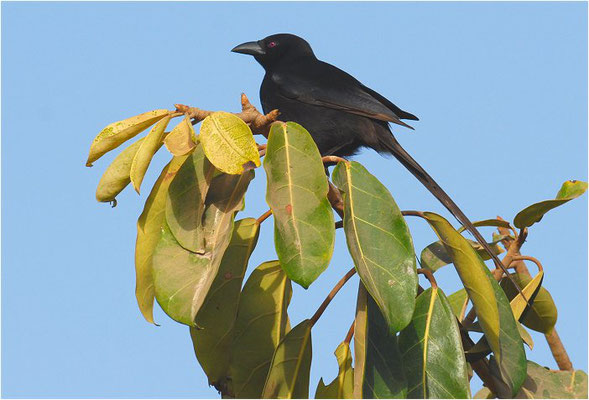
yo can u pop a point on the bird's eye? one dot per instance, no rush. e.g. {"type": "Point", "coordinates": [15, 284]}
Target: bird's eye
{"type": "Point", "coordinates": [272, 44]}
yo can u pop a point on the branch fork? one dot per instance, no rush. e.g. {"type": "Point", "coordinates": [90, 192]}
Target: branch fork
{"type": "Point", "coordinates": [258, 122]}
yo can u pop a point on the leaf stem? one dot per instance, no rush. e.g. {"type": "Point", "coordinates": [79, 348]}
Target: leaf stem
{"type": "Point", "coordinates": [263, 217]}
{"type": "Point", "coordinates": [348, 338]}
{"type": "Point", "coordinates": [528, 258]}
{"type": "Point", "coordinates": [333, 159]}
{"type": "Point", "coordinates": [430, 277]}
{"type": "Point", "coordinates": [331, 295]}
{"type": "Point", "coordinates": [335, 199]}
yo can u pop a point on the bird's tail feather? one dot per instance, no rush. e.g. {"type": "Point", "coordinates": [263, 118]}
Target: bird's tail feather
{"type": "Point", "coordinates": [408, 162]}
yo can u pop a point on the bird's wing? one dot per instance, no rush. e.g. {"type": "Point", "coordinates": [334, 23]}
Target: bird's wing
{"type": "Point", "coordinates": [331, 87]}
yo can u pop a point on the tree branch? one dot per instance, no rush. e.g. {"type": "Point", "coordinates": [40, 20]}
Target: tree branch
{"type": "Point", "coordinates": [258, 122]}
{"type": "Point", "coordinates": [331, 295]}
{"type": "Point", "coordinates": [264, 216]}
{"type": "Point", "coordinates": [557, 349]}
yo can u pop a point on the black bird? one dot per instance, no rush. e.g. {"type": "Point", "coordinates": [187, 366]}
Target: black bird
{"type": "Point", "coordinates": [341, 114]}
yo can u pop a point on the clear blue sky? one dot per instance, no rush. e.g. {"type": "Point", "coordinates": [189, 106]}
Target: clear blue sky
{"type": "Point", "coordinates": [500, 88]}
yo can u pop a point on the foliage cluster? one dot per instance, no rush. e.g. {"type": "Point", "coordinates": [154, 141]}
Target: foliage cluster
{"type": "Point", "coordinates": [408, 342]}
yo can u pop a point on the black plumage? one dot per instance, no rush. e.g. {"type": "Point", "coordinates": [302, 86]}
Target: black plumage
{"type": "Point", "coordinates": [341, 114]}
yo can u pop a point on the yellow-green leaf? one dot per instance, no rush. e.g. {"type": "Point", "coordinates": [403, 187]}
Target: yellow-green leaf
{"type": "Point", "coordinates": [435, 256]}
{"type": "Point", "coordinates": [186, 201]}
{"type": "Point", "coordinates": [149, 227]}
{"type": "Point", "coordinates": [229, 143]}
{"type": "Point", "coordinates": [491, 305]}
{"type": "Point", "coordinates": [487, 222]}
{"type": "Point", "coordinates": [304, 233]}
{"type": "Point", "coordinates": [119, 132]}
{"type": "Point", "coordinates": [525, 335]}
{"type": "Point", "coordinates": [543, 383]}
{"type": "Point", "coordinates": [213, 337]}
{"type": "Point", "coordinates": [262, 322]}
{"type": "Point", "coordinates": [182, 139]}
{"type": "Point", "coordinates": [116, 177]}
{"type": "Point", "coordinates": [182, 278]}
{"type": "Point", "coordinates": [534, 213]}
{"type": "Point", "coordinates": [342, 387]}
{"type": "Point", "coordinates": [458, 301]}
{"type": "Point", "coordinates": [543, 314]}
{"type": "Point", "coordinates": [484, 393]}
{"type": "Point", "coordinates": [288, 377]}
{"type": "Point", "coordinates": [518, 303]}
{"type": "Point", "coordinates": [150, 145]}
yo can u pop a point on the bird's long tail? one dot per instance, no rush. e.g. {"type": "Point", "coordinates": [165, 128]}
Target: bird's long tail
{"type": "Point", "coordinates": [408, 162]}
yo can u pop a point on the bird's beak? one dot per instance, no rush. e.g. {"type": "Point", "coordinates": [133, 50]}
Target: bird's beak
{"type": "Point", "coordinates": [251, 48]}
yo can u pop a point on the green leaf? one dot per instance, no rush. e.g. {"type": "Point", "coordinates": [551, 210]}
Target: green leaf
{"type": "Point", "coordinates": [542, 383]}
{"type": "Point", "coordinates": [458, 301]}
{"type": "Point", "coordinates": [229, 143]}
{"type": "Point", "coordinates": [149, 228]}
{"type": "Point", "coordinates": [487, 222]}
{"type": "Point", "coordinates": [525, 335]}
{"type": "Point", "coordinates": [435, 256]}
{"type": "Point", "coordinates": [304, 232]}
{"type": "Point", "coordinates": [378, 370]}
{"type": "Point", "coordinates": [186, 201]}
{"type": "Point", "coordinates": [119, 132]}
{"type": "Point", "coordinates": [491, 305]}
{"type": "Point", "coordinates": [149, 146]}
{"type": "Point", "coordinates": [431, 349]}
{"type": "Point", "coordinates": [182, 139]}
{"type": "Point", "coordinates": [116, 177]}
{"type": "Point", "coordinates": [213, 338]}
{"type": "Point", "coordinates": [380, 243]}
{"type": "Point", "coordinates": [288, 377]}
{"type": "Point", "coordinates": [518, 303]}
{"type": "Point", "coordinates": [342, 387]}
{"type": "Point", "coordinates": [543, 314]}
{"type": "Point", "coordinates": [182, 278]}
{"type": "Point", "coordinates": [262, 322]}
{"type": "Point", "coordinates": [534, 213]}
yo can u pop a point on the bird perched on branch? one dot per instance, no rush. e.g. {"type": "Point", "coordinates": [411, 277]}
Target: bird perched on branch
{"type": "Point", "coordinates": [341, 114]}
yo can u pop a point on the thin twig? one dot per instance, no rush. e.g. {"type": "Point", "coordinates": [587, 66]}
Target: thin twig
{"type": "Point", "coordinates": [430, 277]}
{"type": "Point", "coordinates": [262, 149]}
{"type": "Point", "coordinates": [331, 295]}
{"type": "Point", "coordinates": [348, 338]}
{"type": "Point", "coordinates": [528, 258]}
{"type": "Point", "coordinates": [264, 216]}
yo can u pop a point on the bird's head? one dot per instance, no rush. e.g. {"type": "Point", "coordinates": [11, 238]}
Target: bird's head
{"type": "Point", "coordinates": [275, 49]}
